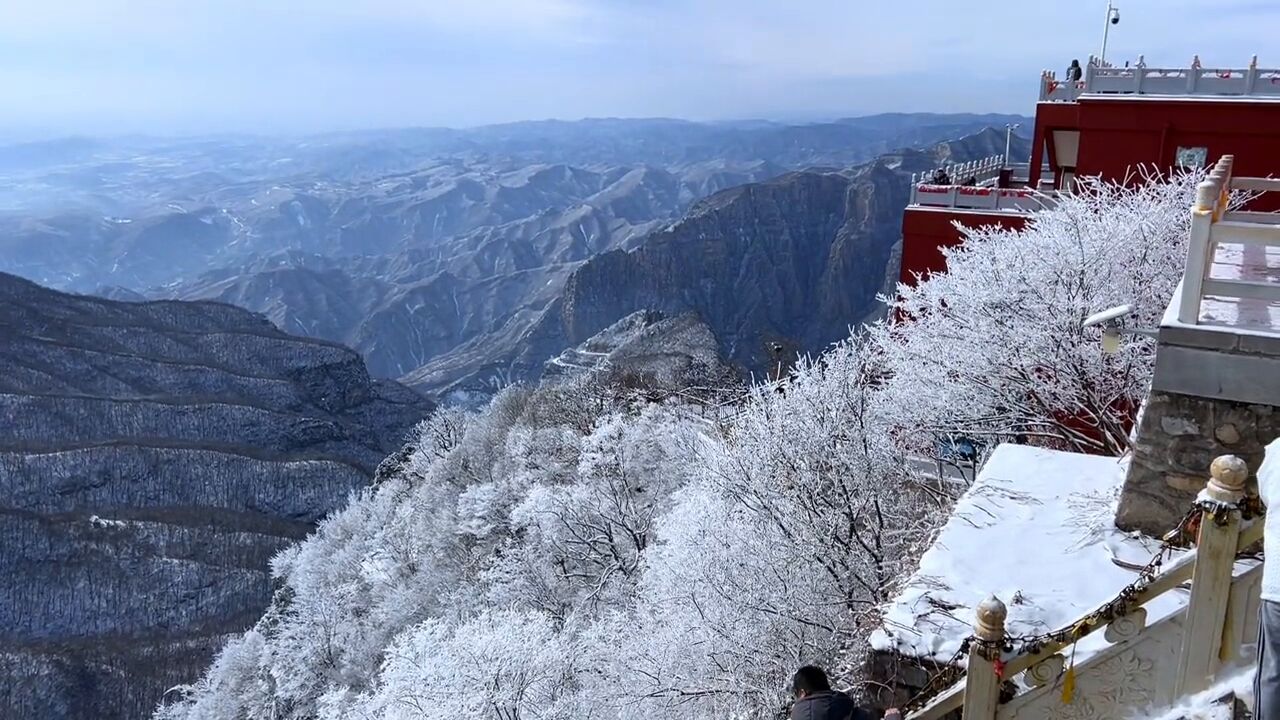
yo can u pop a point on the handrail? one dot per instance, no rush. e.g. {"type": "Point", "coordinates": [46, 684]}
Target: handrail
{"type": "Point", "coordinates": [1178, 572]}
{"type": "Point", "coordinates": [978, 198]}
{"type": "Point", "coordinates": [983, 170]}
{"type": "Point", "coordinates": [1212, 224]}
{"type": "Point", "coordinates": [1251, 81]}
{"type": "Point", "coordinates": [1223, 495]}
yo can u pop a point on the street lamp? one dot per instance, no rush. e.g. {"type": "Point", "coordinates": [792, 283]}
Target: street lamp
{"type": "Point", "coordinates": [1113, 18]}
{"type": "Point", "coordinates": [1113, 327]}
{"type": "Point", "coordinates": [1008, 136]}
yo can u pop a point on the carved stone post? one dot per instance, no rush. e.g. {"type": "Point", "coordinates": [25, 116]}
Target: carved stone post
{"type": "Point", "coordinates": [1197, 253]}
{"type": "Point", "coordinates": [1211, 579]}
{"type": "Point", "coordinates": [982, 683]}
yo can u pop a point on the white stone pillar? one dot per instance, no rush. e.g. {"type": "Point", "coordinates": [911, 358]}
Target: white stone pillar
{"type": "Point", "coordinates": [1211, 580]}
{"type": "Point", "coordinates": [982, 684]}
{"type": "Point", "coordinates": [1197, 253]}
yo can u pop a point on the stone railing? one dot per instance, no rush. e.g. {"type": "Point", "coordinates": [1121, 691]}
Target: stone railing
{"type": "Point", "coordinates": [977, 172]}
{"type": "Point", "coordinates": [978, 198]}
{"type": "Point", "coordinates": [1214, 225]}
{"type": "Point", "coordinates": [1144, 666]}
{"type": "Point", "coordinates": [975, 185]}
{"type": "Point", "coordinates": [1142, 80]}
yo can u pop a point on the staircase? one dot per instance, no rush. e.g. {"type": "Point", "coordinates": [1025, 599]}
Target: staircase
{"type": "Point", "coordinates": [1146, 666]}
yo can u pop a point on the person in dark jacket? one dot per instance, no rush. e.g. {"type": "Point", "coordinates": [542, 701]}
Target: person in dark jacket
{"type": "Point", "coordinates": [815, 700]}
{"type": "Point", "coordinates": [1074, 71]}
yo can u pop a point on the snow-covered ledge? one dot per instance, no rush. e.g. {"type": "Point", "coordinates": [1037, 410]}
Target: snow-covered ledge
{"type": "Point", "coordinates": [1036, 530]}
{"type": "Point", "coordinates": [1222, 359]}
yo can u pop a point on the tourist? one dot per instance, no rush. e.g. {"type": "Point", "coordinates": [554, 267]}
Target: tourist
{"type": "Point", "coordinates": [815, 700]}
{"type": "Point", "coordinates": [1074, 71]}
{"type": "Point", "coordinates": [1266, 684]}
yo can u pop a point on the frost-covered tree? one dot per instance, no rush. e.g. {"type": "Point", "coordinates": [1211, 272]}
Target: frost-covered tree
{"type": "Point", "coordinates": [996, 347]}
{"type": "Point", "coordinates": [588, 550]}
{"type": "Point", "coordinates": [502, 665]}
{"type": "Point", "coordinates": [794, 531]}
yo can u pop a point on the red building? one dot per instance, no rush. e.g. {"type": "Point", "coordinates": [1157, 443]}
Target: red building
{"type": "Point", "coordinates": [1111, 123]}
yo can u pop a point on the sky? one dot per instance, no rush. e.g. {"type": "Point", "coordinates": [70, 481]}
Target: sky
{"type": "Point", "coordinates": [296, 66]}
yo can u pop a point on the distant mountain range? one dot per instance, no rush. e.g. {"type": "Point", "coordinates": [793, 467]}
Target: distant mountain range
{"type": "Point", "coordinates": [445, 257]}
{"type": "Point", "coordinates": [155, 456]}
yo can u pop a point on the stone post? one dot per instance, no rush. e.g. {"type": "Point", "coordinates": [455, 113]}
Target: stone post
{"type": "Point", "coordinates": [1197, 252]}
{"type": "Point", "coordinates": [982, 683]}
{"type": "Point", "coordinates": [1211, 579]}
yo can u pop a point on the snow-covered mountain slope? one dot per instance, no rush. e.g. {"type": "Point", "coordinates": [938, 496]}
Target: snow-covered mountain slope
{"type": "Point", "coordinates": [154, 457]}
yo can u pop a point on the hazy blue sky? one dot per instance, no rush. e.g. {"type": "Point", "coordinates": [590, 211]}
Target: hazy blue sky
{"type": "Point", "coordinates": [185, 66]}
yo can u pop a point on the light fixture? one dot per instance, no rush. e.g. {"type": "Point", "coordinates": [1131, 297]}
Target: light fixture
{"type": "Point", "coordinates": [1113, 18]}
{"type": "Point", "coordinates": [1111, 340]}
{"type": "Point", "coordinates": [1113, 327]}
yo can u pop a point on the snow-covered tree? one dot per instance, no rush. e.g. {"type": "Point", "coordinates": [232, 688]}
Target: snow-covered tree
{"type": "Point", "coordinates": [583, 550]}
{"type": "Point", "coordinates": [502, 665]}
{"type": "Point", "coordinates": [777, 555]}
{"type": "Point", "coordinates": [996, 347]}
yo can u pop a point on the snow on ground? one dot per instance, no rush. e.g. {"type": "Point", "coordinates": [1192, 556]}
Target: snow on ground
{"type": "Point", "coordinates": [1036, 530]}
{"type": "Point", "coordinates": [1203, 706]}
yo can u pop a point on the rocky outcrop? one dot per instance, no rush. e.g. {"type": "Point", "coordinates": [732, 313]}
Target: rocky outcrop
{"type": "Point", "coordinates": [675, 353]}
{"type": "Point", "coordinates": [792, 261]}
{"type": "Point", "coordinates": [155, 456]}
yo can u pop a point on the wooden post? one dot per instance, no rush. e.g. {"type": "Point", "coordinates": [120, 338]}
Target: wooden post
{"type": "Point", "coordinates": [1197, 253]}
{"type": "Point", "coordinates": [1211, 580]}
{"type": "Point", "coordinates": [982, 684]}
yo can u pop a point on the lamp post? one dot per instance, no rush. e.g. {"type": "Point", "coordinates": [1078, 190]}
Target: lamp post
{"type": "Point", "coordinates": [1113, 18]}
{"type": "Point", "coordinates": [1008, 137]}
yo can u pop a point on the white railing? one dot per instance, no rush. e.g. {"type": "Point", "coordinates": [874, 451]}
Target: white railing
{"type": "Point", "coordinates": [1177, 656]}
{"type": "Point", "coordinates": [1020, 173]}
{"type": "Point", "coordinates": [977, 172]}
{"type": "Point", "coordinates": [1214, 225]}
{"type": "Point", "coordinates": [978, 198]}
{"type": "Point", "coordinates": [1142, 80]}
{"type": "Point", "coordinates": [973, 186]}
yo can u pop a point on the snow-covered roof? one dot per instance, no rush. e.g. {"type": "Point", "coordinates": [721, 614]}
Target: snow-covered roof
{"type": "Point", "coordinates": [1037, 530]}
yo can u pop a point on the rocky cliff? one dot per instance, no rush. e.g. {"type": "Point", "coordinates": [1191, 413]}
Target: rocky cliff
{"type": "Point", "coordinates": [794, 261]}
{"type": "Point", "coordinates": [155, 456]}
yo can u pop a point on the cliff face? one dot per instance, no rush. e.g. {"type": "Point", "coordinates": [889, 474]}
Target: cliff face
{"type": "Point", "coordinates": [793, 261]}
{"type": "Point", "coordinates": [155, 456]}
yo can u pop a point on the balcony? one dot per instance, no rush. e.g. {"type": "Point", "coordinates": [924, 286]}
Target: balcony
{"type": "Point", "coordinates": [987, 185]}
{"type": "Point", "coordinates": [1196, 80]}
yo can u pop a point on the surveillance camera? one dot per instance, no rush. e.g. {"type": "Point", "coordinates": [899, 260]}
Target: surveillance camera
{"type": "Point", "coordinates": [1106, 317]}
{"type": "Point", "coordinates": [1115, 17]}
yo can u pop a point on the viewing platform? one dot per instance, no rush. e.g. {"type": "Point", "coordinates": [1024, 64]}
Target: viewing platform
{"type": "Point", "coordinates": [988, 185]}
{"type": "Point", "coordinates": [1193, 81]}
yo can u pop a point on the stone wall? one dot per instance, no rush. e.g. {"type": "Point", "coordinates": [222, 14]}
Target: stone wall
{"type": "Point", "coordinates": [1178, 436]}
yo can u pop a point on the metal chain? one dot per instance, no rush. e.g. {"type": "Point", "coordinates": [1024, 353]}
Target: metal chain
{"type": "Point", "coordinates": [1250, 508]}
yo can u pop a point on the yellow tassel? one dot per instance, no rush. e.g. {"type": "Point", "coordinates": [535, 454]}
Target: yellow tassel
{"type": "Point", "coordinates": [1069, 680]}
{"type": "Point", "coordinates": [1069, 685]}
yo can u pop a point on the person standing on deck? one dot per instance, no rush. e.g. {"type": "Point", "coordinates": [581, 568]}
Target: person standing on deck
{"type": "Point", "coordinates": [1074, 71]}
